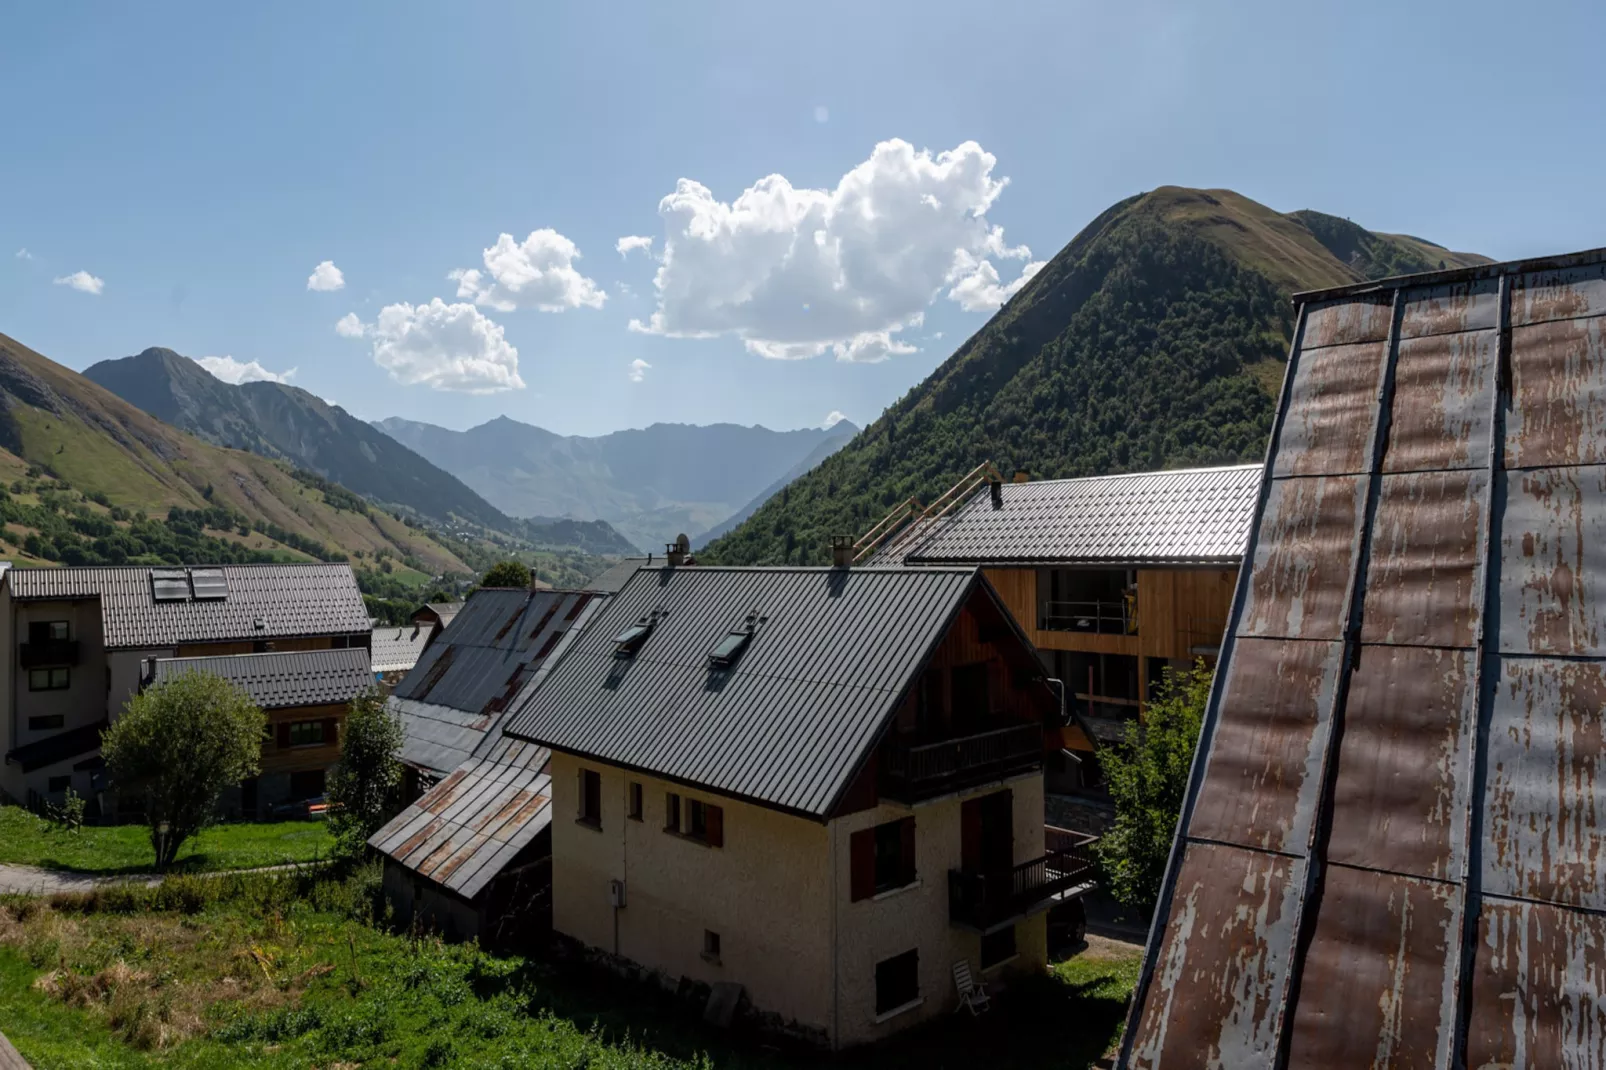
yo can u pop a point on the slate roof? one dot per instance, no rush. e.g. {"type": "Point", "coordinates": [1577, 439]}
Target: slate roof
{"type": "Point", "coordinates": [396, 648]}
{"type": "Point", "coordinates": [466, 829]}
{"type": "Point", "coordinates": [283, 679]}
{"type": "Point", "coordinates": [788, 725]}
{"type": "Point", "coordinates": [263, 602]}
{"type": "Point", "coordinates": [473, 671]}
{"type": "Point", "coordinates": [1195, 516]}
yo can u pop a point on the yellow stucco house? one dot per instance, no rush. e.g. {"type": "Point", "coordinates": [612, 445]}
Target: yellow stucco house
{"type": "Point", "coordinates": [823, 785]}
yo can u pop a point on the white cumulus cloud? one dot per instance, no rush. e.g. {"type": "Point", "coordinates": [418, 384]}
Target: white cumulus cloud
{"type": "Point", "coordinates": [444, 347]}
{"type": "Point", "coordinates": [638, 370]}
{"type": "Point", "coordinates": [836, 416]}
{"type": "Point", "coordinates": [326, 277]}
{"type": "Point", "coordinates": [981, 290]}
{"type": "Point", "coordinates": [24, 254]}
{"type": "Point", "coordinates": [796, 273]}
{"type": "Point", "coordinates": [538, 272]}
{"type": "Point", "coordinates": [82, 281]}
{"type": "Point", "coordinates": [631, 242]}
{"type": "Point", "coordinates": [242, 371]}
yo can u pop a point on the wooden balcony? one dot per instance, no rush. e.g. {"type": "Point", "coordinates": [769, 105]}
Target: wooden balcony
{"type": "Point", "coordinates": [51, 653]}
{"type": "Point", "coordinates": [984, 901]}
{"type": "Point", "coordinates": [911, 771]}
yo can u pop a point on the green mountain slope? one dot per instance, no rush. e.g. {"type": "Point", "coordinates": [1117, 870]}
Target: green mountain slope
{"type": "Point", "coordinates": [651, 484]}
{"type": "Point", "coordinates": [130, 464]}
{"type": "Point", "coordinates": [1155, 339]}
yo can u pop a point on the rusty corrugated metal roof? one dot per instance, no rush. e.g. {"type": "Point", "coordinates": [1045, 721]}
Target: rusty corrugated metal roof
{"type": "Point", "coordinates": [263, 602]}
{"type": "Point", "coordinates": [282, 679]}
{"type": "Point", "coordinates": [1392, 850]}
{"type": "Point", "coordinates": [1190, 516]}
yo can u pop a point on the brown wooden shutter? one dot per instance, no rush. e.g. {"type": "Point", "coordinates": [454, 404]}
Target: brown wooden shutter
{"type": "Point", "coordinates": [908, 831]}
{"type": "Point", "coordinates": [283, 728]}
{"type": "Point", "coordinates": [716, 826]}
{"type": "Point", "coordinates": [861, 851]}
{"type": "Point", "coordinates": [970, 834]}
{"type": "Point", "coordinates": [331, 731]}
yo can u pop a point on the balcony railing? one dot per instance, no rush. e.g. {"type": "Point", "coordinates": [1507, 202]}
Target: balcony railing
{"type": "Point", "coordinates": [982, 900]}
{"type": "Point", "coordinates": [1094, 618]}
{"type": "Point", "coordinates": [912, 771]}
{"type": "Point", "coordinates": [50, 652]}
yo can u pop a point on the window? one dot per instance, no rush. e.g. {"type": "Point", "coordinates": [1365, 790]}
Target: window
{"type": "Point", "coordinates": [997, 946]}
{"type": "Point", "coordinates": [882, 858]}
{"type": "Point", "coordinates": [627, 642]}
{"type": "Point", "coordinates": [47, 631]}
{"type": "Point", "coordinates": [728, 649]}
{"type": "Point", "coordinates": [49, 679]}
{"type": "Point", "coordinates": [60, 783]}
{"type": "Point", "coordinates": [694, 819]}
{"type": "Point", "coordinates": [170, 585]}
{"type": "Point", "coordinates": [306, 733]}
{"type": "Point", "coordinates": [897, 981]}
{"type": "Point", "coordinates": [710, 945]}
{"type": "Point", "coordinates": [46, 723]}
{"type": "Point", "coordinates": [591, 798]}
{"type": "Point", "coordinates": [635, 800]}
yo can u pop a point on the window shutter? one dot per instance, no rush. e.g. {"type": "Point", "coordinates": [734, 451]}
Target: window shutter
{"type": "Point", "coordinates": [908, 831]}
{"type": "Point", "coordinates": [861, 850]}
{"type": "Point", "coordinates": [283, 728]}
{"type": "Point", "coordinates": [331, 731]}
{"type": "Point", "coordinates": [970, 834]}
{"type": "Point", "coordinates": [716, 826]}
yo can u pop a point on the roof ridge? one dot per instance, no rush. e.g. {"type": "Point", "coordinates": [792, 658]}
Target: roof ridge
{"type": "Point", "coordinates": [262, 654]}
{"type": "Point", "coordinates": [1257, 465]}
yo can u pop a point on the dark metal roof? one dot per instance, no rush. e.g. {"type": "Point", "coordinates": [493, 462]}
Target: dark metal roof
{"type": "Point", "coordinates": [789, 724]}
{"type": "Point", "coordinates": [58, 748]}
{"type": "Point", "coordinates": [1393, 850]}
{"type": "Point", "coordinates": [1192, 516]}
{"type": "Point", "coordinates": [617, 575]}
{"type": "Point", "coordinates": [284, 679]}
{"type": "Point", "coordinates": [394, 648]}
{"type": "Point", "coordinates": [472, 672]}
{"type": "Point", "coordinates": [466, 829]}
{"type": "Point", "coordinates": [263, 602]}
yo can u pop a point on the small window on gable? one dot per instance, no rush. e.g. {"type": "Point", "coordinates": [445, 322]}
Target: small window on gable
{"type": "Point", "coordinates": [725, 653]}
{"type": "Point", "coordinates": [710, 945]}
{"type": "Point", "coordinates": [627, 642]}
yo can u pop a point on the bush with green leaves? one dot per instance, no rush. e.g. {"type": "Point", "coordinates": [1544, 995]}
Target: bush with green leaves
{"type": "Point", "coordinates": [1148, 777]}
{"type": "Point", "coordinates": [363, 787]}
{"type": "Point", "coordinates": [506, 574]}
{"type": "Point", "coordinates": [177, 745]}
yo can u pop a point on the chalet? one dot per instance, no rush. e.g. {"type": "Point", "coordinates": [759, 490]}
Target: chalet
{"type": "Point", "coordinates": [823, 786]}
{"type": "Point", "coordinates": [80, 639]}
{"type": "Point", "coordinates": [1113, 579]}
{"type": "Point", "coordinates": [470, 858]}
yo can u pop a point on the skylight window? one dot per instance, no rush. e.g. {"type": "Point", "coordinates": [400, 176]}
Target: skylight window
{"type": "Point", "coordinates": [627, 642]}
{"type": "Point", "coordinates": [725, 653]}
{"type": "Point", "coordinates": [209, 584]}
{"type": "Point", "coordinates": [170, 585]}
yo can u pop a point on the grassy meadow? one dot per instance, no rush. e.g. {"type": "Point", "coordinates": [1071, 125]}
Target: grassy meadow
{"type": "Point", "coordinates": [110, 850]}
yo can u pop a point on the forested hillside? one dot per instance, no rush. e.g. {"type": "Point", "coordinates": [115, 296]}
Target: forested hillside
{"type": "Point", "coordinates": [1155, 339]}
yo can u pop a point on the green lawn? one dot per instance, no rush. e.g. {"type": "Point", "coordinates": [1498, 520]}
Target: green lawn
{"type": "Point", "coordinates": [183, 976]}
{"type": "Point", "coordinates": [29, 840]}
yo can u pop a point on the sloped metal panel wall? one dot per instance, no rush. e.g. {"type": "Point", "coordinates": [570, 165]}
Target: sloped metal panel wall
{"type": "Point", "coordinates": [1392, 852]}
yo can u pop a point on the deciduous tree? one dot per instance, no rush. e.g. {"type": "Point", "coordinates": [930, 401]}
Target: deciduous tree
{"type": "Point", "coordinates": [506, 574]}
{"type": "Point", "coordinates": [363, 786]}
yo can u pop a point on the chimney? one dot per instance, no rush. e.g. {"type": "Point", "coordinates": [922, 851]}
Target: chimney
{"type": "Point", "coordinates": [997, 489]}
{"type": "Point", "coordinates": [1022, 476]}
{"type": "Point", "coordinates": [841, 551]}
{"type": "Point", "coordinates": [677, 551]}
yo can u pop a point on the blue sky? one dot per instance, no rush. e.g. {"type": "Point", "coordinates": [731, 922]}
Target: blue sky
{"type": "Point", "coordinates": [198, 162]}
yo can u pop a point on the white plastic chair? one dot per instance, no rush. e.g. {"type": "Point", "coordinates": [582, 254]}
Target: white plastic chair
{"type": "Point", "coordinates": [972, 993]}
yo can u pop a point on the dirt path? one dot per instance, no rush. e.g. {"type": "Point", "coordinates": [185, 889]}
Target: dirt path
{"type": "Point", "coordinates": [34, 880]}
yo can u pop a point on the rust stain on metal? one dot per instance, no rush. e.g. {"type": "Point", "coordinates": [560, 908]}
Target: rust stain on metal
{"type": "Point", "coordinates": [1546, 794]}
{"type": "Point", "coordinates": [440, 854]}
{"type": "Point", "coordinates": [1265, 766]}
{"type": "Point", "coordinates": [1378, 986]}
{"type": "Point", "coordinates": [1473, 305]}
{"type": "Point", "coordinates": [1558, 394]}
{"type": "Point", "coordinates": [496, 817]}
{"type": "Point", "coordinates": [418, 839]}
{"type": "Point", "coordinates": [436, 671]}
{"type": "Point", "coordinates": [1554, 295]}
{"type": "Point", "coordinates": [1303, 558]}
{"type": "Point", "coordinates": [1442, 393]}
{"type": "Point", "coordinates": [1424, 575]}
{"type": "Point", "coordinates": [1402, 789]}
{"type": "Point", "coordinates": [442, 794]}
{"type": "Point", "coordinates": [458, 854]}
{"type": "Point", "coordinates": [1223, 961]}
{"type": "Point", "coordinates": [1537, 988]}
{"type": "Point", "coordinates": [1553, 562]}
{"type": "Point", "coordinates": [1347, 321]}
{"type": "Point", "coordinates": [1331, 411]}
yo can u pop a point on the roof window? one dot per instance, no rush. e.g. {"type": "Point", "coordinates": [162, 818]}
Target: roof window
{"type": "Point", "coordinates": [728, 649]}
{"type": "Point", "coordinates": [209, 584]}
{"type": "Point", "coordinates": [170, 585]}
{"type": "Point", "coordinates": [627, 642]}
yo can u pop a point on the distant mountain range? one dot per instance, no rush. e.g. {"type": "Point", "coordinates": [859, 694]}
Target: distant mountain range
{"type": "Point", "coordinates": [290, 424]}
{"type": "Point", "coordinates": [651, 484]}
{"type": "Point", "coordinates": [1157, 338]}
